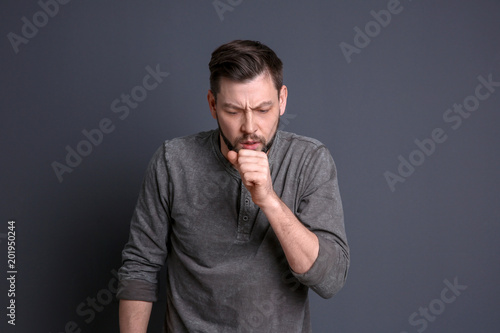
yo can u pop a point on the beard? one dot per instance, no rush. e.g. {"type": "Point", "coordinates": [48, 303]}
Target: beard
{"type": "Point", "coordinates": [265, 146]}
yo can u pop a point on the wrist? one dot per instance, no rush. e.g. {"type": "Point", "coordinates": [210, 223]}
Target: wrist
{"type": "Point", "coordinates": [272, 203]}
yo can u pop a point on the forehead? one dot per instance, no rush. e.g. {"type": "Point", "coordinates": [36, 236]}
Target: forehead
{"type": "Point", "coordinates": [260, 87]}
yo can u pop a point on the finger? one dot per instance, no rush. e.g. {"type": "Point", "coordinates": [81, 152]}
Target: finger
{"type": "Point", "coordinates": [252, 177]}
{"type": "Point", "coordinates": [249, 152]}
{"type": "Point", "coordinates": [232, 157]}
{"type": "Point", "coordinates": [253, 157]}
{"type": "Point", "coordinates": [245, 167]}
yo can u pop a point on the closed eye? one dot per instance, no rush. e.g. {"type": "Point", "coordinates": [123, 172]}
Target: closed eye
{"type": "Point", "coordinates": [232, 112]}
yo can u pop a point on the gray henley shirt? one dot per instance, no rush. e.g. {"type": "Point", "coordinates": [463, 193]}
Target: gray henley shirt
{"type": "Point", "coordinates": [226, 271]}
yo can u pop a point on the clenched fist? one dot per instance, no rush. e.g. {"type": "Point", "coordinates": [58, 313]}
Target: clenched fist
{"type": "Point", "coordinates": [253, 167]}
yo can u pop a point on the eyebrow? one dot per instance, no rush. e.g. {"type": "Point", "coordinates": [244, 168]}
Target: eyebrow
{"type": "Point", "coordinates": [234, 106]}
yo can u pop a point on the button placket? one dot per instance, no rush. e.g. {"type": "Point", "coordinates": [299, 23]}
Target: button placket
{"type": "Point", "coordinates": [247, 210]}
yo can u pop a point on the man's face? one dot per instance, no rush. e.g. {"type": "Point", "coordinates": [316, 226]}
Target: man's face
{"type": "Point", "coordinates": [247, 113]}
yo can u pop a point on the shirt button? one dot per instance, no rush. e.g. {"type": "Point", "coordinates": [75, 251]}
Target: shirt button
{"type": "Point", "coordinates": [245, 218]}
{"type": "Point", "coordinates": [247, 201]}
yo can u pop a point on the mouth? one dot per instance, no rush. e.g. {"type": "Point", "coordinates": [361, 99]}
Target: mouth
{"type": "Point", "coordinates": [252, 145]}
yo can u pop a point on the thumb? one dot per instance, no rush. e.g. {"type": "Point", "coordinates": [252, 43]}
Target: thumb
{"type": "Point", "coordinates": [232, 157]}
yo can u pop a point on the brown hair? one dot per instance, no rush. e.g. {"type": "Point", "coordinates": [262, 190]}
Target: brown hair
{"type": "Point", "coordinates": [243, 60]}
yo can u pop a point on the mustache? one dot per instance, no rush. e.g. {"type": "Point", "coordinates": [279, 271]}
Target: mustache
{"type": "Point", "coordinates": [251, 137]}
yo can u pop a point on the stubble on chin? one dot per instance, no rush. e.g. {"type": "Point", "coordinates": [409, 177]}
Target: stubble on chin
{"type": "Point", "coordinates": [236, 146]}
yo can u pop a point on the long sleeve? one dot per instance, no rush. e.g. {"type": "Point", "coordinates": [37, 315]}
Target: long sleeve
{"type": "Point", "coordinates": [319, 208]}
{"type": "Point", "coordinates": [146, 250]}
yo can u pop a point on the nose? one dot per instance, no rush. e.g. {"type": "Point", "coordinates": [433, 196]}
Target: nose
{"type": "Point", "coordinates": [248, 126]}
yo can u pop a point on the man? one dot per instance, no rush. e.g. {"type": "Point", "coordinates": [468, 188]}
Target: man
{"type": "Point", "coordinates": [247, 217]}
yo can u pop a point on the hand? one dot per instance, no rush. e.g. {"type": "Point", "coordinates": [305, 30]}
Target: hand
{"type": "Point", "coordinates": [300, 245]}
{"type": "Point", "coordinates": [253, 167]}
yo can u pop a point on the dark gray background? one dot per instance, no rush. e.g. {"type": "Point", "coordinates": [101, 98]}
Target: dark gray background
{"type": "Point", "coordinates": [441, 224]}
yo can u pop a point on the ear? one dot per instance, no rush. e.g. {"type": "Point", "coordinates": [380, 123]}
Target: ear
{"type": "Point", "coordinates": [212, 104]}
{"type": "Point", "coordinates": [283, 97]}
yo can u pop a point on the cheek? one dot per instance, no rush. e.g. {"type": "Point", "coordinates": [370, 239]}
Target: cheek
{"type": "Point", "coordinates": [271, 126]}
{"type": "Point", "coordinates": [229, 127]}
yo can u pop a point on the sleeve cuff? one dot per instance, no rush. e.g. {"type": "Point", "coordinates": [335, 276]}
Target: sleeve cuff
{"type": "Point", "coordinates": [320, 268]}
{"type": "Point", "coordinates": [137, 290]}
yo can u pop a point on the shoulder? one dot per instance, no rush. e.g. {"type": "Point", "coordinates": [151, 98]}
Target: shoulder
{"type": "Point", "coordinates": [303, 151]}
{"type": "Point", "coordinates": [296, 140]}
{"type": "Point", "coordinates": [194, 145]}
{"type": "Point", "coordinates": [183, 149]}
{"type": "Point", "coordinates": [300, 145]}
{"type": "Point", "coordinates": [190, 141]}
{"type": "Point", "coordinates": [303, 158]}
